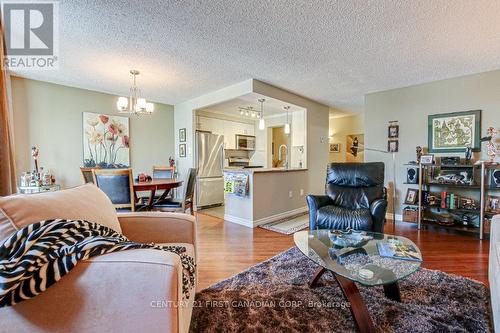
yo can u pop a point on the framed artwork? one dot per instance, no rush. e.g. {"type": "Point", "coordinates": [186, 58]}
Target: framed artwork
{"type": "Point", "coordinates": [393, 130]}
{"type": "Point", "coordinates": [334, 147]}
{"type": "Point", "coordinates": [355, 151]}
{"type": "Point", "coordinates": [182, 150]}
{"type": "Point", "coordinates": [182, 135]}
{"type": "Point", "coordinates": [106, 141]}
{"type": "Point", "coordinates": [411, 196]}
{"type": "Point", "coordinates": [427, 159]}
{"type": "Point", "coordinates": [392, 146]}
{"type": "Point", "coordinates": [454, 132]}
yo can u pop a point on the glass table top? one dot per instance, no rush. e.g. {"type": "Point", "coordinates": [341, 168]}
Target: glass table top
{"type": "Point", "coordinates": [357, 257]}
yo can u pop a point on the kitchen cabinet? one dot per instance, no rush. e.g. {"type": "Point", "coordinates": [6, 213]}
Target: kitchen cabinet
{"type": "Point", "coordinates": [227, 128]}
{"type": "Point", "coordinates": [298, 128]}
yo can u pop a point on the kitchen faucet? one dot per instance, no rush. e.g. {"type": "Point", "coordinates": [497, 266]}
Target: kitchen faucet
{"type": "Point", "coordinates": [279, 154]}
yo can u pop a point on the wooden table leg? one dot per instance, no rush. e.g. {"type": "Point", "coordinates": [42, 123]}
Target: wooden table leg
{"type": "Point", "coordinates": [164, 195]}
{"type": "Point", "coordinates": [358, 307]}
{"type": "Point", "coordinates": [314, 281]}
{"type": "Point", "coordinates": [391, 291]}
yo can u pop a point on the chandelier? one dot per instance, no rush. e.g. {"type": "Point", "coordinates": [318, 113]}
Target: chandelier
{"type": "Point", "coordinates": [134, 104]}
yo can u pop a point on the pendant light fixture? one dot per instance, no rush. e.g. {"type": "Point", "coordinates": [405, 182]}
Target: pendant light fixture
{"type": "Point", "coordinates": [262, 124]}
{"type": "Point", "coordinates": [134, 104]}
{"type": "Point", "coordinates": [287, 125]}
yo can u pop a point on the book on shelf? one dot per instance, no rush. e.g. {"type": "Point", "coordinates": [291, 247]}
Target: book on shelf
{"type": "Point", "coordinates": [443, 199]}
{"type": "Point", "coordinates": [398, 251]}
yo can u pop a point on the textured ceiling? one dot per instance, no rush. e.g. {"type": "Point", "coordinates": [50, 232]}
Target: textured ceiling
{"type": "Point", "coordinates": [331, 51]}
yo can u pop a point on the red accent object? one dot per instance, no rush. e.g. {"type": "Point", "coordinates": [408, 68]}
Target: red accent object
{"type": "Point", "coordinates": [443, 199]}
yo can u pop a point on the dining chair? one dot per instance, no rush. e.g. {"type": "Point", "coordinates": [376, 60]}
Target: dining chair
{"type": "Point", "coordinates": [163, 172]}
{"type": "Point", "coordinates": [118, 184]}
{"type": "Point", "coordinates": [187, 200]}
{"type": "Point", "coordinates": [87, 174]}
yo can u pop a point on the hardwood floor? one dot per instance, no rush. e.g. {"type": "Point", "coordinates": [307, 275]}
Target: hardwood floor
{"type": "Point", "coordinates": [225, 249]}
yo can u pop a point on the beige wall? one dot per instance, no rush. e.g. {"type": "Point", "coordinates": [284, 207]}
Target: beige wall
{"type": "Point", "coordinates": [49, 116]}
{"type": "Point", "coordinates": [340, 127]}
{"type": "Point", "coordinates": [411, 106]}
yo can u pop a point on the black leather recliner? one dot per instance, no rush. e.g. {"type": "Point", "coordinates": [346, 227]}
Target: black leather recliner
{"type": "Point", "coordinates": [355, 198]}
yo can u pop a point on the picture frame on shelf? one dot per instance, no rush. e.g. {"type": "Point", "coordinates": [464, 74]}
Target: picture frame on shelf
{"type": "Point", "coordinates": [427, 159]}
{"type": "Point", "coordinates": [495, 178]}
{"type": "Point", "coordinates": [411, 196]}
{"type": "Point", "coordinates": [182, 150]}
{"type": "Point", "coordinates": [454, 132]}
{"type": "Point", "coordinates": [182, 135]}
{"type": "Point", "coordinates": [493, 204]}
{"type": "Point", "coordinates": [334, 147]}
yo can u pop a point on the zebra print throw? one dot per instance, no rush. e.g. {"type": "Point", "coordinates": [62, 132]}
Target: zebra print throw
{"type": "Point", "coordinates": [40, 254]}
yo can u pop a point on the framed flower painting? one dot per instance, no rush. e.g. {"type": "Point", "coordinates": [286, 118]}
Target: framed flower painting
{"type": "Point", "coordinates": [106, 141]}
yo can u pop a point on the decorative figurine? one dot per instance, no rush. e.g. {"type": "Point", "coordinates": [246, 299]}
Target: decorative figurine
{"type": "Point", "coordinates": [419, 153]}
{"type": "Point", "coordinates": [171, 161]}
{"type": "Point", "coordinates": [491, 148]}
{"type": "Point", "coordinates": [468, 154]}
{"type": "Point", "coordinates": [34, 154]}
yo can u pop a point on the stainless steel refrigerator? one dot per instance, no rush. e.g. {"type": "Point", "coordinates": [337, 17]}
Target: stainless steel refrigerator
{"type": "Point", "coordinates": [210, 163]}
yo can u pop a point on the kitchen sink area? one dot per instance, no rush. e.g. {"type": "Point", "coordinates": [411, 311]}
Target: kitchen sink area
{"type": "Point", "coordinates": [246, 149]}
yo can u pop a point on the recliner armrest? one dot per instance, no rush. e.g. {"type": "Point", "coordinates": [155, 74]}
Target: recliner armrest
{"type": "Point", "coordinates": [315, 202]}
{"type": "Point", "coordinates": [378, 209]}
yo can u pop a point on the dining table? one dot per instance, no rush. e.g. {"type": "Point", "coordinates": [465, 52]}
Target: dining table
{"type": "Point", "coordinates": [153, 185]}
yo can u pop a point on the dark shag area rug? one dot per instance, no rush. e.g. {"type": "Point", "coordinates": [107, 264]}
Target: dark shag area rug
{"type": "Point", "coordinates": [274, 296]}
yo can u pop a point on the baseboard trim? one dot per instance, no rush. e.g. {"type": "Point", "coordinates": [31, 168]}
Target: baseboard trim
{"type": "Point", "coordinates": [238, 220]}
{"type": "Point", "coordinates": [280, 216]}
{"type": "Point", "coordinates": [399, 217]}
{"type": "Point", "coordinates": [272, 218]}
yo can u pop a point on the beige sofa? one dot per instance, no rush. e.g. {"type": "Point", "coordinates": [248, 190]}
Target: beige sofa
{"type": "Point", "coordinates": [129, 291]}
{"type": "Point", "coordinates": [494, 271]}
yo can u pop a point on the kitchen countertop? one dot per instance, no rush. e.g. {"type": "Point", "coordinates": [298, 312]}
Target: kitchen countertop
{"type": "Point", "coordinates": [261, 170]}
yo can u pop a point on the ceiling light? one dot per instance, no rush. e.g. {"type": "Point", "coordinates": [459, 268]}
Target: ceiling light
{"type": "Point", "coordinates": [134, 104]}
{"type": "Point", "coordinates": [287, 124]}
{"type": "Point", "coordinates": [262, 123]}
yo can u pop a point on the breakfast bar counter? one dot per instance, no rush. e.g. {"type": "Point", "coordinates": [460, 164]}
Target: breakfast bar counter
{"type": "Point", "coordinates": [277, 192]}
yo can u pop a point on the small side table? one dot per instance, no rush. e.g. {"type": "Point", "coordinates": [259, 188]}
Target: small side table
{"type": "Point", "coordinates": [38, 189]}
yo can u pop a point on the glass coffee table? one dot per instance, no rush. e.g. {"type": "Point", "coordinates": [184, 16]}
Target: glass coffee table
{"type": "Point", "coordinates": [354, 257]}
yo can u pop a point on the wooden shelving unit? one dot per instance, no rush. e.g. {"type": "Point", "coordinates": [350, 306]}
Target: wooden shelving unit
{"type": "Point", "coordinates": [478, 186]}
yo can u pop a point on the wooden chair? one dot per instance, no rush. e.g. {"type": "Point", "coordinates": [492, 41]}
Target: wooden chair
{"type": "Point", "coordinates": [163, 172]}
{"type": "Point", "coordinates": [87, 174]}
{"type": "Point", "coordinates": [187, 201]}
{"type": "Point", "coordinates": [118, 184]}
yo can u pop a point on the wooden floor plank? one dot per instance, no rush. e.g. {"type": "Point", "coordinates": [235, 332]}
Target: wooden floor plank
{"type": "Point", "coordinates": [225, 249]}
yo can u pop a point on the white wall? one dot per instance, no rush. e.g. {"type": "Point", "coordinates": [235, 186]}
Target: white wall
{"type": "Point", "coordinates": [411, 107]}
{"type": "Point", "coordinates": [49, 116]}
{"type": "Point", "coordinates": [340, 127]}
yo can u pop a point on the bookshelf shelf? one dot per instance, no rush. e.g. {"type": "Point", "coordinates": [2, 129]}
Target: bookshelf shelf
{"type": "Point", "coordinates": [477, 175]}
